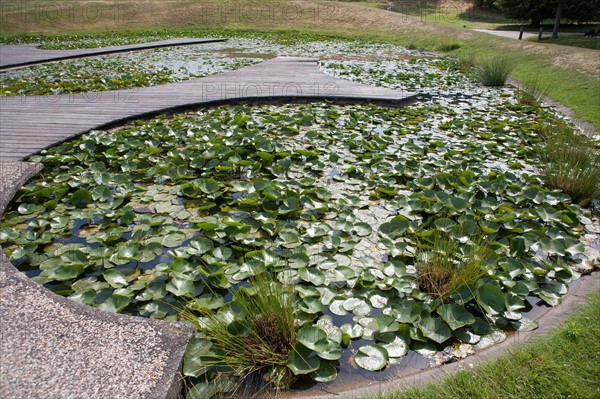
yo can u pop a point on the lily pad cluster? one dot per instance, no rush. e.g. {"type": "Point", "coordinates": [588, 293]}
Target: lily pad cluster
{"type": "Point", "coordinates": [160, 66]}
{"type": "Point", "coordinates": [177, 212]}
{"type": "Point", "coordinates": [425, 75]}
{"type": "Point", "coordinates": [115, 72]}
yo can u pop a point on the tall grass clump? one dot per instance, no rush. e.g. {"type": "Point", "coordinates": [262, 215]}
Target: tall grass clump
{"type": "Point", "coordinates": [494, 72]}
{"type": "Point", "coordinates": [572, 164]}
{"type": "Point", "coordinates": [251, 337]}
{"type": "Point", "coordinates": [445, 265]}
{"type": "Point", "coordinates": [447, 46]}
{"type": "Point", "coordinates": [531, 93]}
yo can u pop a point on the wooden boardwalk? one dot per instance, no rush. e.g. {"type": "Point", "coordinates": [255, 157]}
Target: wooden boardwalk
{"type": "Point", "coordinates": [30, 124]}
{"type": "Point", "coordinates": [23, 55]}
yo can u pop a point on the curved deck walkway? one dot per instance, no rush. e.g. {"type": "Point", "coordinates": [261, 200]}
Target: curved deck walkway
{"type": "Point", "coordinates": [52, 347]}
{"type": "Point", "coordinates": [30, 124]}
{"type": "Point", "coordinates": [29, 54]}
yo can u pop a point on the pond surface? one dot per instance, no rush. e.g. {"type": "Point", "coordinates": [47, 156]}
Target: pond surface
{"type": "Point", "coordinates": [346, 202]}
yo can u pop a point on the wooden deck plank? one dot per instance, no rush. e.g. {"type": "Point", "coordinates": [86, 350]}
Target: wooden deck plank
{"type": "Point", "coordinates": [23, 55]}
{"type": "Point", "coordinates": [38, 122]}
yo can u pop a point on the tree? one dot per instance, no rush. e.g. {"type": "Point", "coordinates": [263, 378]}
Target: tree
{"type": "Point", "coordinates": [535, 11]}
{"type": "Point", "coordinates": [559, 12]}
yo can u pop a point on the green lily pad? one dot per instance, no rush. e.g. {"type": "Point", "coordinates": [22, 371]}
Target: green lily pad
{"type": "Point", "coordinates": [372, 357]}
{"type": "Point", "coordinates": [115, 278]}
{"type": "Point", "coordinates": [312, 275]}
{"type": "Point", "coordinates": [302, 361]}
{"type": "Point", "coordinates": [455, 316]}
{"type": "Point", "coordinates": [435, 329]}
{"type": "Point", "coordinates": [114, 303]}
{"type": "Point", "coordinates": [203, 390]}
{"type": "Point", "coordinates": [194, 365]}
{"type": "Point", "coordinates": [325, 373]}
{"type": "Point", "coordinates": [80, 198]}
{"type": "Point", "coordinates": [491, 298]}
{"type": "Point", "coordinates": [180, 286]}
{"type": "Point", "coordinates": [336, 306]}
{"type": "Point", "coordinates": [313, 338]}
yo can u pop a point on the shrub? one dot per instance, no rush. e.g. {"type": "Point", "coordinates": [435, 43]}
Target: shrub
{"type": "Point", "coordinates": [440, 270]}
{"type": "Point", "coordinates": [251, 336]}
{"type": "Point", "coordinates": [494, 72]}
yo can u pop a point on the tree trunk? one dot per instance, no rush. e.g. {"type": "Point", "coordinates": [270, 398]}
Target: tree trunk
{"type": "Point", "coordinates": [559, 11]}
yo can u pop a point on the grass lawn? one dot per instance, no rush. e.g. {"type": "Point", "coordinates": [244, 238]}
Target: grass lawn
{"type": "Point", "coordinates": [573, 40]}
{"type": "Point", "coordinates": [563, 364]}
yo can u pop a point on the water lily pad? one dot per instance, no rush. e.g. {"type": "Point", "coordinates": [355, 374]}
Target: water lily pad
{"type": "Point", "coordinates": [358, 306]}
{"type": "Point", "coordinates": [313, 338]}
{"type": "Point", "coordinates": [80, 198]}
{"type": "Point", "coordinates": [362, 229]}
{"type": "Point", "coordinates": [200, 246]}
{"type": "Point", "coordinates": [524, 324]}
{"type": "Point", "coordinates": [352, 331]}
{"type": "Point", "coordinates": [173, 240]}
{"type": "Point", "coordinates": [114, 303]}
{"type": "Point", "coordinates": [312, 275]}
{"type": "Point", "coordinates": [427, 349]}
{"type": "Point", "coordinates": [435, 329]}
{"type": "Point", "coordinates": [387, 323]}
{"type": "Point", "coordinates": [181, 286]}
{"type": "Point", "coordinates": [194, 365]}
{"type": "Point", "coordinates": [28, 209]}
{"type": "Point", "coordinates": [302, 361]}
{"type": "Point", "coordinates": [491, 298]}
{"type": "Point", "coordinates": [372, 357]}
{"type": "Point", "coordinates": [311, 305]}
{"type": "Point", "coordinates": [203, 390]}
{"type": "Point", "coordinates": [63, 273]}
{"type": "Point", "coordinates": [455, 316]}
{"type": "Point", "coordinates": [115, 278]}
{"type": "Point", "coordinates": [325, 373]}
{"type": "Point", "coordinates": [332, 352]}
{"type": "Point", "coordinates": [398, 347]}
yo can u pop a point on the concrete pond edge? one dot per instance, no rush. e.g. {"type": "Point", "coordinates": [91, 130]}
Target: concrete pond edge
{"type": "Point", "coordinates": [173, 336]}
{"type": "Point", "coordinates": [53, 347]}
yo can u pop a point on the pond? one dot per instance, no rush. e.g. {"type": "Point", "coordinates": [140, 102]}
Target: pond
{"type": "Point", "coordinates": [347, 204]}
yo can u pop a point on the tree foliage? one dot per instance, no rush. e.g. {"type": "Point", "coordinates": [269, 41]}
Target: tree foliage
{"type": "Point", "coordinates": [535, 11]}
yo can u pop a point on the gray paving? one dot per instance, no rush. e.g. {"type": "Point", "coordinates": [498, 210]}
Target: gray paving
{"type": "Point", "coordinates": [30, 124]}
{"type": "Point", "coordinates": [53, 347]}
{"type": "Point", "coordinates": [514, 34]}
{"type": "Point", "coordinates": [21, 55]}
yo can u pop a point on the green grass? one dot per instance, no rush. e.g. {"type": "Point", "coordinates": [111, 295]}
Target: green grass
{"type": "Point", "coordinates": [252, 335]}
{"type": "Point", "coordinates": [573, 40]}
{"type": "Point", "coordinates": [440, 273]}
{"type": "Point", "coordinates": [572, 164]}
{"type": "Point", "coordinates": [563, 364]}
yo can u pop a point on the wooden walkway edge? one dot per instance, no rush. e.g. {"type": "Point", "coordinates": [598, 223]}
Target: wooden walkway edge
{"type": "Point", "coordinates": [30, 124]}
{"type": "Point", "coordinates": [25, 55]}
